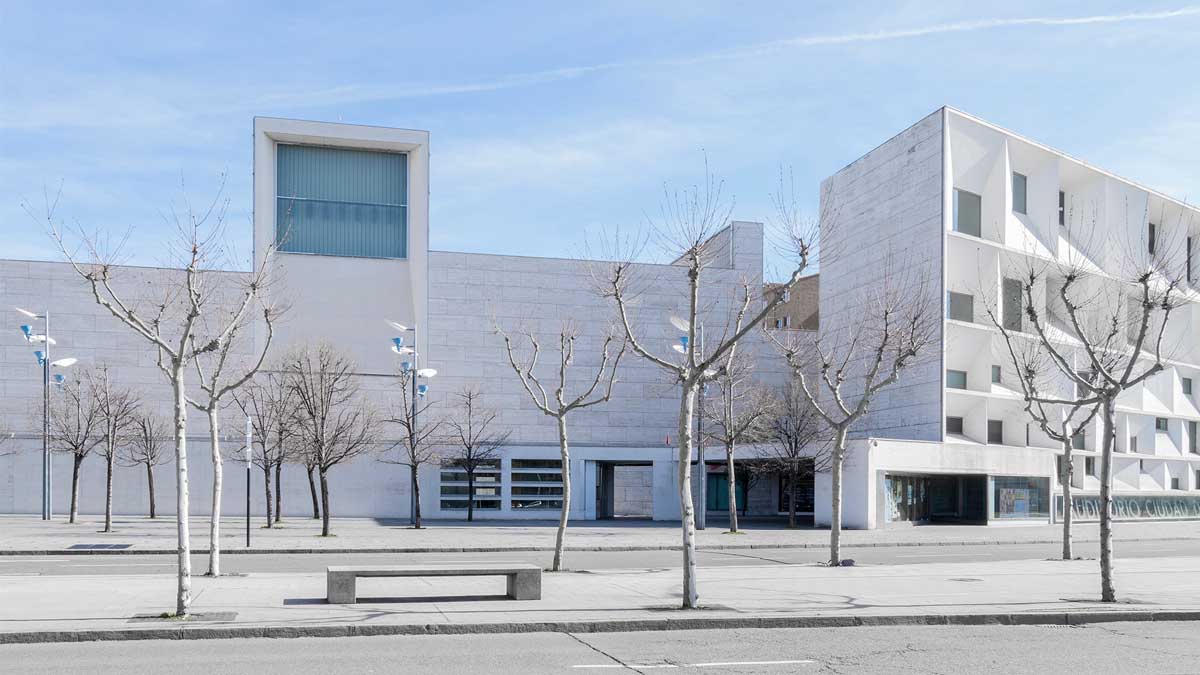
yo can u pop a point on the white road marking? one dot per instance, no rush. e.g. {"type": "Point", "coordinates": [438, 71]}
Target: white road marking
{"type": "Point", "coordinates": [714, 664]}
{"type": "Point", "coordinates": [123, 565]}
{"type": "Point", "coordinates": [24, 560]}
{"type": "Point", "coordinates": [750, 663]}
{"type": "Point", "coordinates": [938, 555]}
{"type": "Point", "coordinates": [631, 666]}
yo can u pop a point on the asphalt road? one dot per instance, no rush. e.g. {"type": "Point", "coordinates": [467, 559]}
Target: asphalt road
{"type": "Point", "coordinates": [892, 555]}
{"type": "Point", "coordinates": [1103, 648]}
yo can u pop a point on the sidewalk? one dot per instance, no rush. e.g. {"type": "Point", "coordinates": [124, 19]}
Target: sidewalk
{"type": "Point", "coordinates": [30, 535]}
{"type": "Point", "coordinates": [72, 608]}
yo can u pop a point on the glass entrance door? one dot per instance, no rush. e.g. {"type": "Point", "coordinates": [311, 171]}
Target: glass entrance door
{"type": "Point", "coordinates": [908, 498]}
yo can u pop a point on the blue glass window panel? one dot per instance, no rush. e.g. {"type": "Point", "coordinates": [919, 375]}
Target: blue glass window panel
{"type": "Point", "coordinates": [343, 202]}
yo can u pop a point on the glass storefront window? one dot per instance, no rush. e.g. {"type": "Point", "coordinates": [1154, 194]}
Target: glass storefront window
{"type": "Point", "coordinates": [1020, 497]}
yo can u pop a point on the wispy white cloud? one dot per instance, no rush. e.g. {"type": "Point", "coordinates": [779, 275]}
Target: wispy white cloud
{"type": "Point", "coordinates": [359, 93]}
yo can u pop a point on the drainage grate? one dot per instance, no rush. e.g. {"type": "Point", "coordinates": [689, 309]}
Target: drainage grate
{"type": "Point", "coordinates": [191, 618]}
{"type": "Point", "coordinates": [98, 547]}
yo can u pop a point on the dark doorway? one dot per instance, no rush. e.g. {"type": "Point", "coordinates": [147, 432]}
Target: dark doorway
{"type": "Point", "coordinates": [936, 499]}
{"type": "Point", "coordinates": [624, 490]}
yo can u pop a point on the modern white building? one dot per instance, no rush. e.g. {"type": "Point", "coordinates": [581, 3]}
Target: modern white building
{"type": "Point", "coordinates": [349, 206]}
{"type": "Point", "coordinates": [972, 206]}
{"type": "Point", "coordinates": [953, 198]}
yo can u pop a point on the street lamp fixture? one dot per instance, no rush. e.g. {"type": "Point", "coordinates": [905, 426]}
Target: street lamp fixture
{"type": "Point", "coordinates": [44, 360]}
{"type": "Point", "coordinates": [418, 390]}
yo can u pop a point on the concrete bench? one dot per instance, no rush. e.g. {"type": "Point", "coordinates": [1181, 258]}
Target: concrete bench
{"type": "Point", "coordinates": [524, 580]}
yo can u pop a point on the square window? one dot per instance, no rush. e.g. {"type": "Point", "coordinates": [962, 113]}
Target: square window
{"type": "Point", "coordinates": [954, 425]}
{"type": "Point", "coordinates": [1160, 424]}
{"type": "Point", "coordinates": [1142, 465]}
{"type": "Point", "coordinates": [1187, 386]}
{"type": "Point", "coordinates": [1193, 442]}
{"type": "Point", "coordinates": [1197, 485]}
{"type": "Point", "coordinates": [1133, 444]}
{"type": "Point", "coordinates": [1089, 466]}
{"type": "Point", "coordinates": [1174, 483]}
{"type": "Point", "coordinates": [960, 307]}
{"type": "Point", "coordinates": [1079, 440]}
{"type": "Point", "coordinates": [1019, 187]}
{"type": "Point", "coordinates": [996, 374]}
{"type": "Point", "coordinates": [956, 379]}
{"type": "Point", "coordinates": [996, 432]}
{"type": "Point", "coordinates": [341, 201]}
{"type": "Point", "coordinates": [968, 213]}
{"type": "Point", "coordinates": [1152, 237]}
{"type": "Point", "coordinates": [1062, 208]}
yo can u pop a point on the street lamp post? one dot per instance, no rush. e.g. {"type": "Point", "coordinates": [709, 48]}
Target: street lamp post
{"type": "Point", "coordinates": [702, 512]}
{"type": "Point", "coordinates": [249, 455]}
{"type": "Point", "coordinates": [43, 356]}
{"type": "Point", "coordinates": [418, 391]}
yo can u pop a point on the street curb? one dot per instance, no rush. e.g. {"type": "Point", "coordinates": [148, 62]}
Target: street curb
{"type": "Point", "coordinates": [611, 626]}
{"type": "Point", "coordinates": [526, 549]}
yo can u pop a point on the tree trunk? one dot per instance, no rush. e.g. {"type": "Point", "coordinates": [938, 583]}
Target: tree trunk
{"type": "Point", "coordinates": [75, 488]}
{"type": "Point", "coordinates": [470, 496]}
{"type": "Point", "coordinates": [183, 597]}
{"type": "Point", "coordinates": [564, 514]}
{"type": "Point", "coordinates": [278, 490]}
{"type": "Point", "coordinates": [732, 480]}
{"type": "Point", "coordinates": [1107, 592]}
{"type": "Point", "coordinates": [150, 486]}
{"type": "Point", "coordinates": [110, 462]}
{"type": "Point", "coordinates": [214, 521]}
{"type": "Point", "coordinates": [267, 489]}
{"type": "Point", "coordinates": [1065, 477]}
{"type": "Point", "coordinates": [324, 504]}
{"type": "Point", "coordinates": [835, 516]}
{"type": "Point", "coordinates": [687, 408]}
{"type": "Point", "coordinates": [791, 486]}
{"type": "Point", "coordinates": [416, 488]}
{"type": "Point", "coordinates": [312, 489]}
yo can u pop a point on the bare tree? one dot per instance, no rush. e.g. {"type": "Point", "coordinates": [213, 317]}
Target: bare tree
{"type": "Point", "coordinates": [309, 461]}
{"type": "Point", "coordinates": [146, 448]}
{"type": "Point", "coordinates": [1116, 322]}
{"type": "Point", "coordinates": [117, 408]}
{"type": "Point", "coordinates": [690, 224]}
{"type": "Point", "coordinates": [855, 361]}
{"type": "Point", "coordinates": [334, 424]}
{"type": "Point", "coordinates": [1034, 373]}
{"type": "Point", "coordinates": [219, 373]}
{"type": "Point", "coordinates": [476, 440]}
{"type": "Point", "coordinates": [739, 416]}
{"type": "Point", "coordinates": [76, 429]}
{"type": "Point", "coordinates": [419, 443]}
{"type": "Point", "coordinates": [794, 447]}
{"type": "Point", "coordinates": [171, 324]}
{"type": "Point", "coordinates": [561, 403]}
{"type": "Point", "coordinates": [269, 401]}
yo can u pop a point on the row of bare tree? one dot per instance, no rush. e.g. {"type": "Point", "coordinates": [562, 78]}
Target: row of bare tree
{"type": "Point", "coordinates": [838, 372]}
{"type": "Point", "coordinates": [96, 415]}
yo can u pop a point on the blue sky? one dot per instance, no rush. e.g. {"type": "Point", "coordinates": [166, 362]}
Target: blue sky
{"type": "Point", "coordinates": [553, 120]}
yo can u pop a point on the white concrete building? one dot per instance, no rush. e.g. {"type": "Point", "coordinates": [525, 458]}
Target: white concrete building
{"type": "Point", "coordinates": [953, 198]}
{"type": "Point", "coordinates": [975, 205]}
{"type": "Point", "coordinates": [353, 202]}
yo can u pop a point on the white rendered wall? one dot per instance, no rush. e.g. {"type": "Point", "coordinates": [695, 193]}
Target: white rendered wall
{"type": "Point", "coordinates": [883, 222]}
